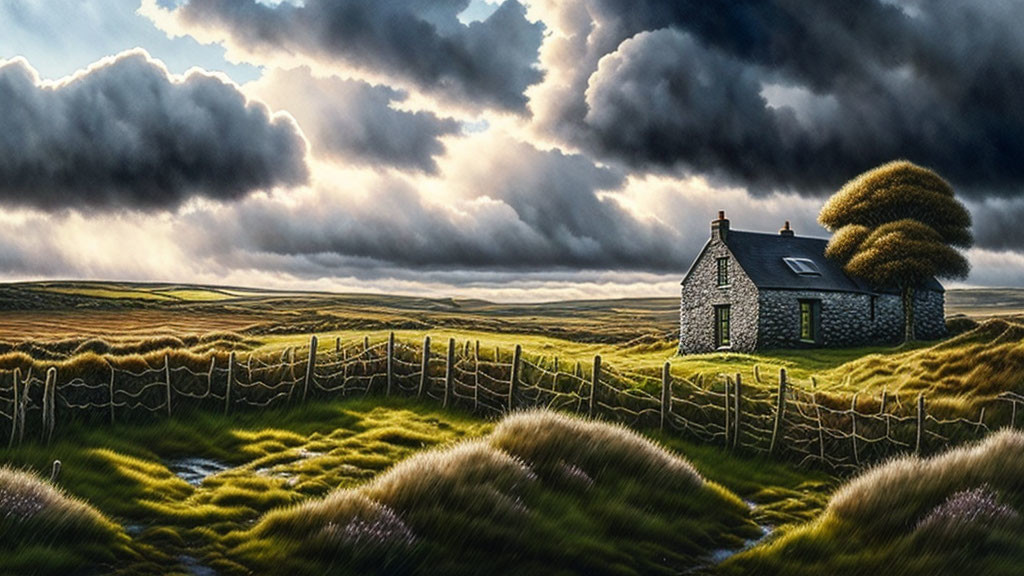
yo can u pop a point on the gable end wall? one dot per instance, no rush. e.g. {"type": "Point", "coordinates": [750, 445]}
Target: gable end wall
{"type": "Point", "coordinates": [700, 294]}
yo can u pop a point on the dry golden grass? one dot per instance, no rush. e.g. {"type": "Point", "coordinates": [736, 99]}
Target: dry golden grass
{"type": "Point", "coordinates": [36, 516]}
{"type": "Point", "coordinates": [970, 367]}
{"type": "Point", "coordinates": [911, 515]}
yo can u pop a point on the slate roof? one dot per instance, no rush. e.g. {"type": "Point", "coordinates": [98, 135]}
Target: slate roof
{"type": "Point", "coordinates": [761, 257]}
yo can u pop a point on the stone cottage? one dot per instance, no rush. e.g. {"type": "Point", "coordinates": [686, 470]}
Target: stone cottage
{"type": "Point", "coordinates": [751, 290]}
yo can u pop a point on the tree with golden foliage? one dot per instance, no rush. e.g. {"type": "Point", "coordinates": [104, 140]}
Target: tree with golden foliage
{"type": "Point", "coordinates": [896, 226]}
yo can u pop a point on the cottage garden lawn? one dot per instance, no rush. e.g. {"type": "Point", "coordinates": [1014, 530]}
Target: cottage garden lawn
{"type": "Point", "coordinates": [375, 485]}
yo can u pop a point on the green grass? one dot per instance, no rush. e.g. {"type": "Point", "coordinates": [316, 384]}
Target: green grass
{"type": "Point", "coordinates": [620, 501]}
{"type": "Point", "coordinates": [542, 494]}
{"type": "Point", "coordinates": [277, 457]}
{"type": "Point", "coordinates": [958, 512]}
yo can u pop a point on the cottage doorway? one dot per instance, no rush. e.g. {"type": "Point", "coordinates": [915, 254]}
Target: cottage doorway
{"type": "Point", "coordinates": [722, 319]}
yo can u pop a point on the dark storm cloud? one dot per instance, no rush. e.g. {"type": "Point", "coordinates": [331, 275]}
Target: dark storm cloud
{"type": "Point", "coordinates": [997, 224]}
{"type": "Point", "coordinates": [516, 208]}
{"type": "Point", "coordinates": [124, 135]}
{"type": "Point", "coordinates": [796, 95]}
{"type": "Point", "coordinates": [490, 62]}
{"type": "Point", "coordinates": [355, 122]}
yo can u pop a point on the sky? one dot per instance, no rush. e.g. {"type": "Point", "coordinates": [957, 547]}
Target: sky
{"type": "Point", "coordinates": [507, 150]}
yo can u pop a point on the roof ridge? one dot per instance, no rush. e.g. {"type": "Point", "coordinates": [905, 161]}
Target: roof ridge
{"type": "Point", "coordinates": [777, 235]}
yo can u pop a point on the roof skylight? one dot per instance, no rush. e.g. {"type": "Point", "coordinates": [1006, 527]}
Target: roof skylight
{"type": "Point", "coordinates": [802, 266]}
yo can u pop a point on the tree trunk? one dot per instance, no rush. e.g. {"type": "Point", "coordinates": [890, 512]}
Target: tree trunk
{"type": "Point", "coordinates": [908, 314]}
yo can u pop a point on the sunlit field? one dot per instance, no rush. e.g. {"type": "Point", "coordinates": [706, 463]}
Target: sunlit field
{"type": "Point", "coordinates": [398, 485]}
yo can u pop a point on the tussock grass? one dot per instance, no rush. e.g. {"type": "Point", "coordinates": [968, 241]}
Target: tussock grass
{"type": "Point", "coordinates": [973, 366]}
{"type": "Point", "coordinates": [275, 458]}
{"type": "Point", "coordinates": [542, 493]}
{"type": "Point", "coordinates": [45, 531]}
{"type": "Point", "coordinates": [939, 515]}
{"type": "Point", "coordinates": [69, 349]}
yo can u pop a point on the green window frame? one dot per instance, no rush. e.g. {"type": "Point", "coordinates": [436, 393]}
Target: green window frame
{"type": "Point", "coordinates": [810, 318]}
{"type": "Point", "coordinates": [723, 271]}
{"type": "Point", "coordinates": [722, 321]}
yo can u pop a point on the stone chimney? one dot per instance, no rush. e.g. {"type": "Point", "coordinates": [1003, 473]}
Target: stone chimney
{"type": "Point", "coordinates": [720, 227]}
{"type": "Point", "coordinates": [786, 230]}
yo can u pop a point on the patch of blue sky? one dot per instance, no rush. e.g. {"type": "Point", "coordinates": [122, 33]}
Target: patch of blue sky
{"type": "Point", "coordinates": [478, 10]}
{"type": "Point", "coordinates": [59, 37]}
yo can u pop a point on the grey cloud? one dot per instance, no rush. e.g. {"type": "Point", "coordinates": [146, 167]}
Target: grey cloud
{"type": "Point", "coordinates": [874, 82]}
{"type": "Point", "coordinates": [998, 223]}
{"type": "Point", "coordinates": [124, 135]}
{"type": "Point", "coordinates": [491, 62]}
{"type": "Point", "coordinates": [517, 208]}
{"type": "Point", "coordinates": [355, 122]}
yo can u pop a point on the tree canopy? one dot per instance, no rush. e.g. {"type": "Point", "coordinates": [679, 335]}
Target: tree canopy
{"type": "Point", "coordinates": [897, 226]}
{"type": "Point", "coordinates": [895, 191]}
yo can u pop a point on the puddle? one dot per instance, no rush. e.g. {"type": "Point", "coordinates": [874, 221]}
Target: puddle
{"type": "Point", "coordinates": [281, 470]}
{"type": "Point", "coordinates": [195, 470]}
{"type": "Point", "coordinates": [722, 554]}
{"type": "Point", "coordinates": [194, 567]}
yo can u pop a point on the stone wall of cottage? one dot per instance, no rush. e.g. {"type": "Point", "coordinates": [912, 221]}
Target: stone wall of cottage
{"type": "Point", "coordinates": [846, 318]}
{"type": "Point", "coordinates": [930, 315]}
{"type": "Point", "coordinates": [700, 295]}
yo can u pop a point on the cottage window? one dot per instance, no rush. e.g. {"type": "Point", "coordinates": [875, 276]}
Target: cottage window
{"type": "Point", "coordinates": [721, 326]}
{"type": "Point", "coordinates": [810, 313]}
{"type": "Point", "coordinates": [723, 271]}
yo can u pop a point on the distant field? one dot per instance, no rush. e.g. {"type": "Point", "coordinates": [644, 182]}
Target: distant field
{"type": "Point", "coordinates": [54, 310]}
{"type": "Point", "coordinates": [55, 320]}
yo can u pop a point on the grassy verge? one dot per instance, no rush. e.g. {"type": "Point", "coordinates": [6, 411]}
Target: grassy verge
{"type": "Point", "coordinates": [273, 458]}
{"type": "Point", "coordinates": [959, 512]}
{"type": "Point", "coordinates": [546, 492]}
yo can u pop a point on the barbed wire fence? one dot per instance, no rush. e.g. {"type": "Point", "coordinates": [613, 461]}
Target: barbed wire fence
{"type": "Point", "coordinates": [842, 432]}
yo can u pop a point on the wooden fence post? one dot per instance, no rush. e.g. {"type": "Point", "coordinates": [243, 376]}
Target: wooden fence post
{"type": "Point", "coordinates": [337, 344]}
{"type": "Point", "coordinates": [882, 411]}
{"type": "Point", "coordinates": [1013, 414]}
{"type": "Point", "coordinates": [16, 412]}
{"type": "Point", "coordinates": [513, 381]}
{"type": "Point", "coordinates": [167, 380]}
{"type": "Point", "coordinates": [780, 409]}
{"type": "Point", "coordinates": [666, 392]}
{"type": "Point", "coordinates": [728, 408]}
{"type": "Point", "coordinates": [821, 431]}
{"type": "Point", "coordinates": [291, 372]}
{"type": "Point", "coordinates": [49, 397]}
{"type": "Point", "coordinates": [449, 373]}
{"type": "Point", "coordinates": [757, 373]}
{"type": "Point", "coordinates": [310, 364]}
{"type": "Point", "coordinates": [424, 367]}
{"type": "Point", "coordinates": [209, 374]}
{"type": "Point", "coordinates": [737, 395]}
{"type": "Point", "coordinates": [981, 420]}
{"type": "Point", "coordinates": [476, 377]}
{"type": "Point", "coordinates": [227, 384]}
{"type": "Point", "coordinates": [595, 379]}
{"type": "Point", "coordinates": [853, 428]}
{"type": "Point", "coordinates": [920, 425]}
{"type": "Point", "coordinates": [391, 361]}
{"type": "Point", "coordinates": [366, 343]}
